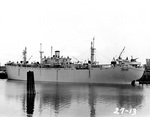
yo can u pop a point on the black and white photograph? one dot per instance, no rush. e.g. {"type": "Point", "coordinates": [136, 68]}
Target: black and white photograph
{"type": "Point", "coordinates": [75, 58]}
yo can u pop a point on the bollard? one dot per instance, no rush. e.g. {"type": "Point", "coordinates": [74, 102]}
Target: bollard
{"type": "Point", "coordinates": [30, 83]}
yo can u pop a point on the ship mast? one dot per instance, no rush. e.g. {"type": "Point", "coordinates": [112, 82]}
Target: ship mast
{"type": "Point", "coordinates": [51, 51]}
{"type": "Point", "coordinates": [41, 52]}
{"type": "Point", "coordinates": [92, 51]}
{"type": "Point", "coordinates": [25, 56]}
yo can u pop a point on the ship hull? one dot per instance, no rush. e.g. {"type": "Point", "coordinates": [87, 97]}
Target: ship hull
{"type": "Point", "coordinates": [111, 75]}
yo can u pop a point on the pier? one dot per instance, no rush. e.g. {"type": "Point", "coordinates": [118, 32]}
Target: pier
{"type": "Point", "coordinates": [3, 74]}
{"type": "Point", "coordinates": [145, 79]}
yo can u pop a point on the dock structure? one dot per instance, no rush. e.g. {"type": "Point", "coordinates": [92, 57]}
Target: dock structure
{"type": "Point", "coordinates": [3, 74]}
{"type": "Point", "coordinates": [145, 79]}
{"type": "Point", "coordinates": [30, 83]}
{"type": "Point", "coordinates": [2, 68]}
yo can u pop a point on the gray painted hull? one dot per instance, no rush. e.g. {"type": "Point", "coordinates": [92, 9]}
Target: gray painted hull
{"type": "Point", "coordinates": [111, 75]}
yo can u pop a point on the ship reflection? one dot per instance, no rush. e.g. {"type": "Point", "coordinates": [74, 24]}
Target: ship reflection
{"type": "Point", "coordinates": [58, 98]}
{"type": "Point", "coordinates": [129, 100]}
{"type": "Point", "coordinates": [122, 96]}
{"type": "Point", "coordinates": [92, 101]}
{"type": "Point", "coordinates": [54, 96]}
{"type": "Point", "coordinates": [61, 96]}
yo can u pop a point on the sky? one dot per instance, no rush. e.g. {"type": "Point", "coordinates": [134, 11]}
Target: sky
{"type": "Point", "coordinates": [70, 25]}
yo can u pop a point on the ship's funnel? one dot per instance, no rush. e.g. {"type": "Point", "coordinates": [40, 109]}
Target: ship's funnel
{"type": "Point", "coordinates": [57, 54]}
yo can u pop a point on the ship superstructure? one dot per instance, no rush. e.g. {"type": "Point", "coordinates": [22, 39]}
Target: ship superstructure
{"type": "Point", "coordinates": [61, 69]}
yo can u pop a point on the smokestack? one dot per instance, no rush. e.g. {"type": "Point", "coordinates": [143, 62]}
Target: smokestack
{"type": "Point", "coordinates": [57, 54]}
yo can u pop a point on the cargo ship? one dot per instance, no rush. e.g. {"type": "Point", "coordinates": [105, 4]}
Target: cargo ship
{"type": "Point", "coordinates": [62, 69]}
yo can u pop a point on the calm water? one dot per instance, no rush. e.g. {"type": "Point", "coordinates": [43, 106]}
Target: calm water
{"type": "Point", "coordinates": [72, 100]}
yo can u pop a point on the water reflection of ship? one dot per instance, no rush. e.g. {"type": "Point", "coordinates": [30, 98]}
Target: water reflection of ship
{"type": "Point", "coordinates": [59, 97]}
{"type": "Point", "coordinates": [92, 101]}
{"type": "Point", "coordinates": [54, 96]}
{"type": "Point", "coordinates": [63, 95]}
{"type": "Point", "coordinates": [124, 96]}
{"type": "Point", "coordinates": [16, 90]}
{"type": "Point", "coordinates": [132, 98]}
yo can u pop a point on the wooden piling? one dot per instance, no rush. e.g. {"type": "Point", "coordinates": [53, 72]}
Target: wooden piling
{"type": "Point", "coordinates": [30, 83]}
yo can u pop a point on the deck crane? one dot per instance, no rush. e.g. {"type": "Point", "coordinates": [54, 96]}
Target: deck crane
{"type": "Point", "coordinates": [30, 57]}
{"type": "Point", "coordinates": [121, 53]}
{"type": "Point", "coordinates": [77, 60]}
{"type": "Point", "coordinates": [119, 58]}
